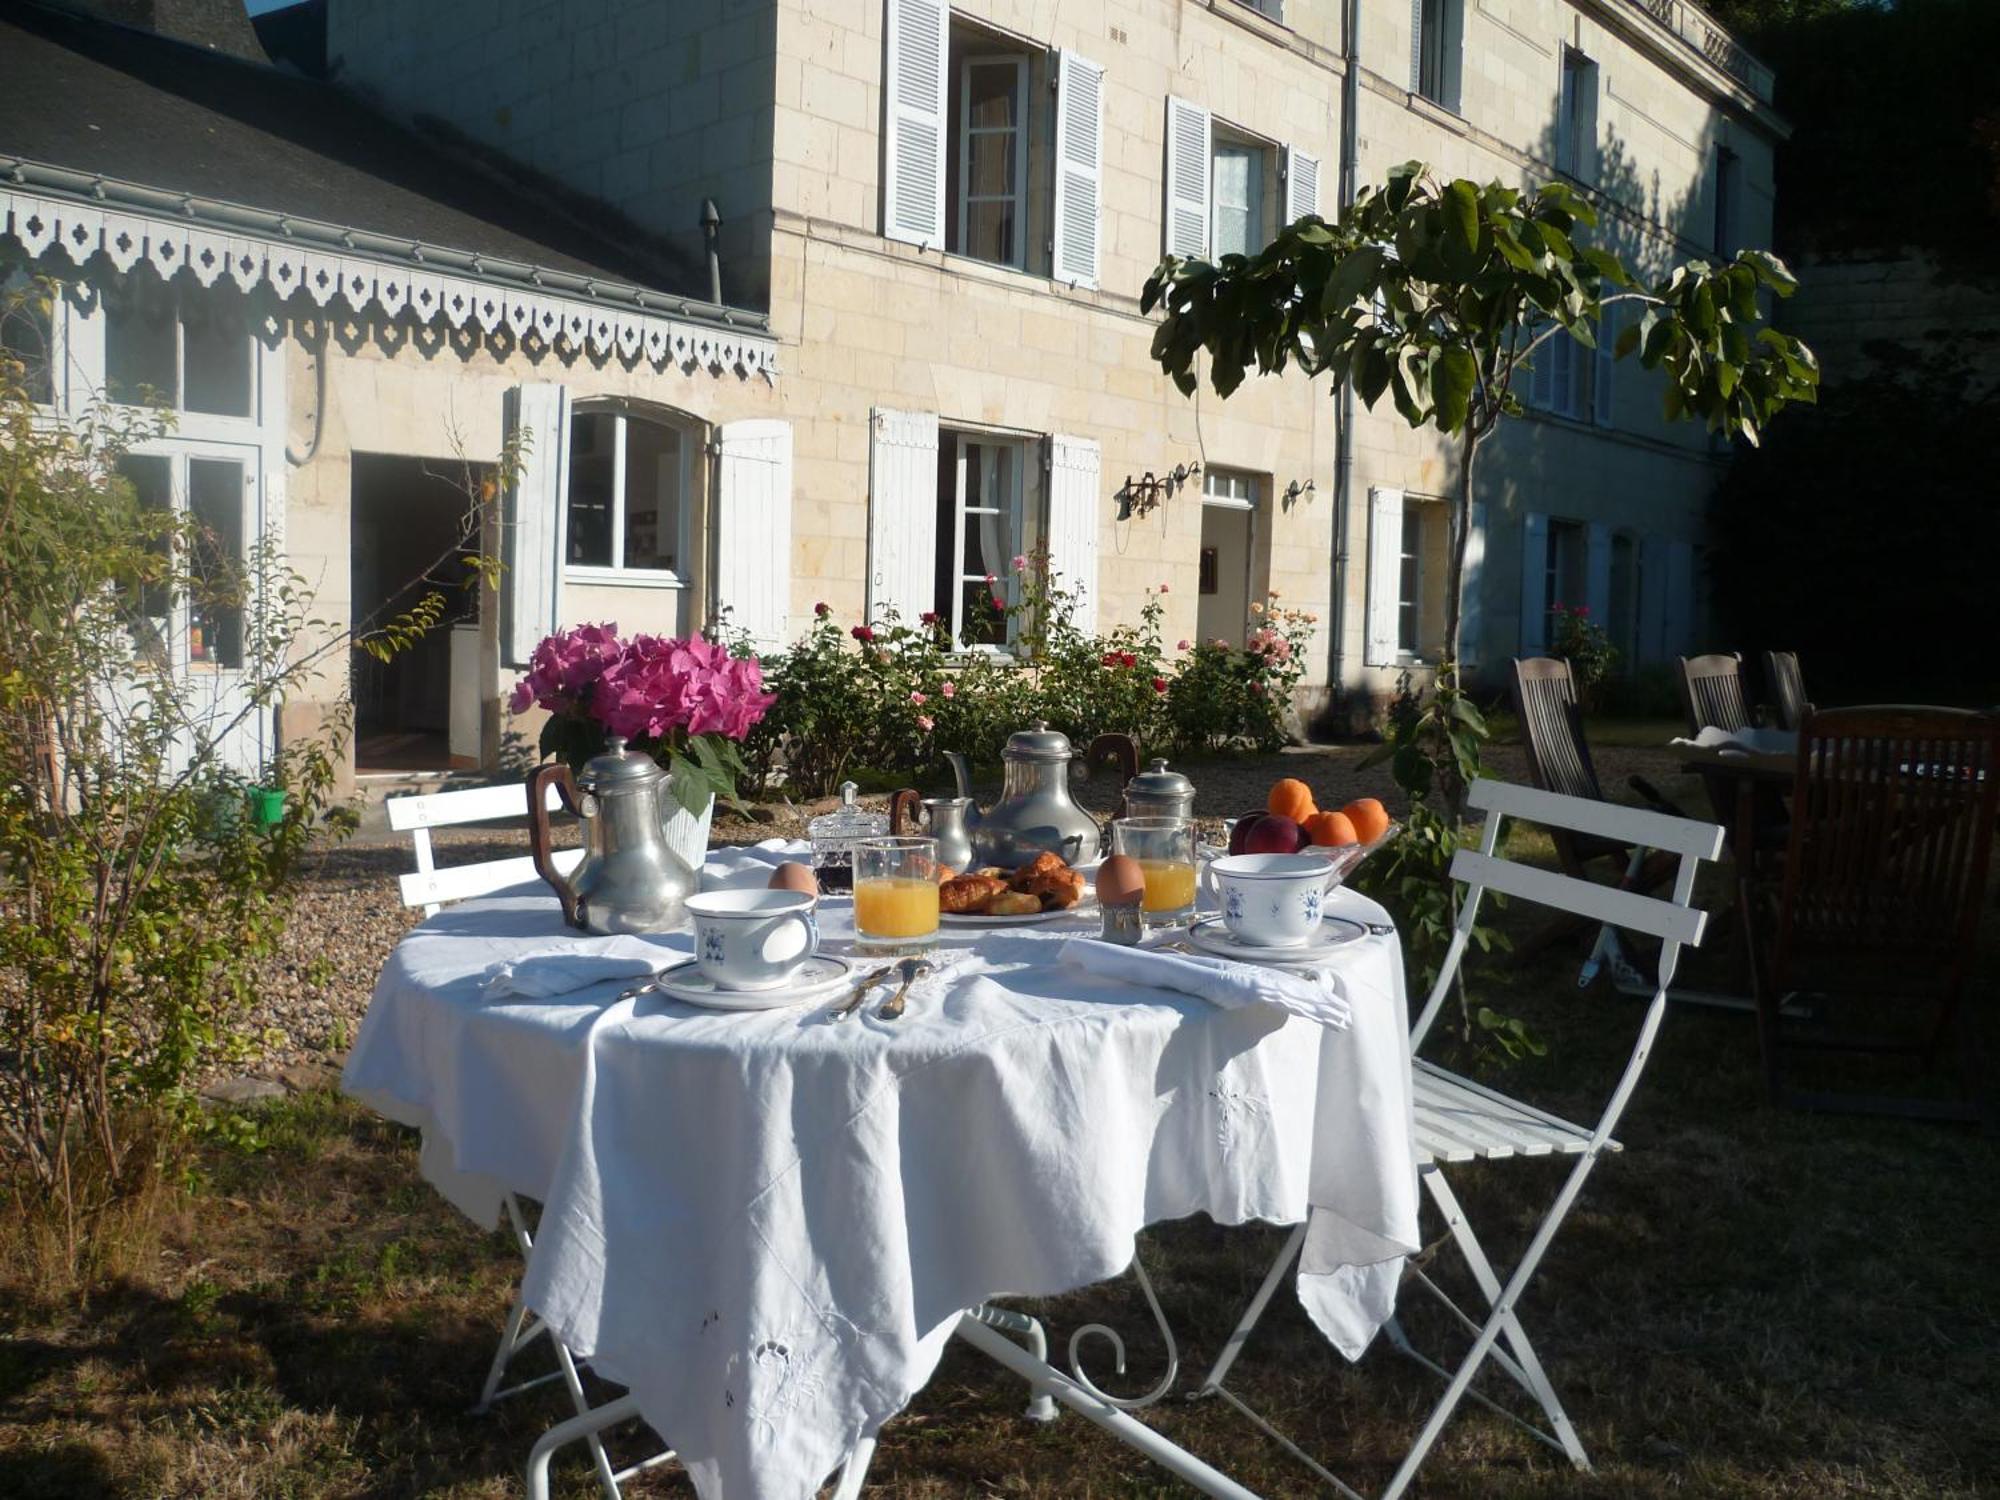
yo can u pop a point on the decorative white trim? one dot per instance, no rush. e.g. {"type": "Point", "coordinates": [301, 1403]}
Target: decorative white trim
{"type": "Point", "coordinates": [38, 222]}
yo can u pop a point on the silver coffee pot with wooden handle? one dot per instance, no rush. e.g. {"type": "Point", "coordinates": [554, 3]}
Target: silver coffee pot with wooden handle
{"type": "Point", "coordinates": [629, 880]}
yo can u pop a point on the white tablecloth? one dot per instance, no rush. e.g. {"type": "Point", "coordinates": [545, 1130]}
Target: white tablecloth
{"type": "Point", "coordinates": [766, 1224]}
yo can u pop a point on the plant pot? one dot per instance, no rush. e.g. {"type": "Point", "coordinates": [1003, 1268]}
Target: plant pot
{"type": "Point", "coordinates": [266, 806]}
{"type": "Point", "coordinates": [687, 835]}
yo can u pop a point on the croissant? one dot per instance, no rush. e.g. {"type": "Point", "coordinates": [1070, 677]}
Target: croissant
{"type": "Point", "coordinates": [969, 893]}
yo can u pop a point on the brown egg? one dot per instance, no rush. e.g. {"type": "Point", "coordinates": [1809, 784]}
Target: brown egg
{"type": "Point", "coordinates": [793, 876]}
{"type": "Point", "coordinates": [1120, 881]}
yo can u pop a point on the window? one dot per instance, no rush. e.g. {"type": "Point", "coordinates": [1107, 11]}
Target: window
{"type": "Point", "coordinates": [979, 534]}
{"type": "Point", "coordinates": [1728, 184]}
{"type": "Point", "coordinates": [1568, 380]}
{"type": "Point", "coordinates": [1271, 9]}
{"type": "Point", "coordinates": [1576, 116]}
{"type": "Point", "coordinates": [627, 487]}
{"type": "Point", "coordinates": [1410, 581]}
{"type": "Point", "coordinates": [184, 345]}
{"type": "Point", "coordinates": [213, 491]}
{"type": "Point", "coordinates": [1623, 626]}
{"type": "Point", "coordinates": [992, 160]}
{"type": "Point", "coordinates": [1439, 40]}
{"type": "Point", "coordinates": [1562, 574]}
{"type": "Point", "coordinates": [1238, 169]}
{"type": "Point", "coordinates": [26, 336]}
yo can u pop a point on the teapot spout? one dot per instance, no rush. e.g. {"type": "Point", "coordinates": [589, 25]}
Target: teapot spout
{"type": "Point", "coordinates": [961, 775]}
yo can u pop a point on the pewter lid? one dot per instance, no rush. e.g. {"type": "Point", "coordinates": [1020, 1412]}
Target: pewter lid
{"type": "Point", "coordinates": [619, 768]}
{"type": "Point", "coordinates": [1158, 783]}
{"type": "Point", "coordinates": [1040, 743]}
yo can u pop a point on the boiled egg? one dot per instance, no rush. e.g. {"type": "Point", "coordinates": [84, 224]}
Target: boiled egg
{"type": "Point", "coordinates": [793, 876]}
{"type": "Point", "coordinates": [1120, 881]}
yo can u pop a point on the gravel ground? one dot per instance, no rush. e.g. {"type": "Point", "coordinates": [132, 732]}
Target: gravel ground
{"type": "Point", "coordinates": [349, 915]}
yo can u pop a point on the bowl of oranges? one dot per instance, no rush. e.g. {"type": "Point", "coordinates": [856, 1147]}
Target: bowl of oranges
{"type": "Point", "coordinates": [1293, 823]}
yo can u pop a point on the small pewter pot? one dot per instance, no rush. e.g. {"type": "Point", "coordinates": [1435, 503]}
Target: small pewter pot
{"type": "Point", "coordinates": [1157, 792]}
{"type": "Point", "coordinates": [946, 819]}
{"type": "Point", "coordinates": [1035, 813]}
{"type": "Point", "coordinates": [629, 880]}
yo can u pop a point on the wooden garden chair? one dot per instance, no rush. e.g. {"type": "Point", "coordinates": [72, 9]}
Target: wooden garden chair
{"type": "Point", "coordinates": [1460, 1122]}
{"type": "Point", "coordinates": [1711, 690]}
{"type": "Point", "coordinates": [1883, 884]}
{"type": "Point", "coordinates": [1559, 761]}
{"type": "Point", "coordinates": [432, 887]}
{"type": "Point", "coordinates": [1788, 706]}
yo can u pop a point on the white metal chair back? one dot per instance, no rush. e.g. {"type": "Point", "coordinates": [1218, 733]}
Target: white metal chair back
{"type": "Point", "coordinates": [430, 887]}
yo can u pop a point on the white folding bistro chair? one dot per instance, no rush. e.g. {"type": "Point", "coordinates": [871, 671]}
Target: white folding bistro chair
{"type": "Point", "coordinates": [431, 888]}
{"type": "Point", "coordinates": [1459, 1121]}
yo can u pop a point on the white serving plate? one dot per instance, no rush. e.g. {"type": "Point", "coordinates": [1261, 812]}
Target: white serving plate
{"type": "Point", "coordinates": [1018, 919]}
{"type": "Point", "coordinates": [1210, 934]}
{"type": "Point", "coordinates": [818, 977]}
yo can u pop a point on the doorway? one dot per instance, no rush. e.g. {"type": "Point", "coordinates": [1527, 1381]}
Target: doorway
{"type": "Point", "coordinates": [1228, 540]}
{"type": "Point", "coordinates": [409, 531]}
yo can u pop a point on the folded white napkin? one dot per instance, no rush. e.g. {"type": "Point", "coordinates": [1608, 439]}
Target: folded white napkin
{"type": "Point", "coordinates": [749, 867]}
{"type": "Point", "coordinates": [1747, 741]}
{"type": "Point", "coordinates": [1314, 994]}
{"type": "Point", "coordinates": [558, 970]}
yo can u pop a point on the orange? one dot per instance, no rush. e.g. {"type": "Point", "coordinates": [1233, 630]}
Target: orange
{"type": "Point", "coordinates": [1369, 817]}
{"type": "Point", "coordinates": [1291, 798]}
{"type": "Point", "coordinates": [1331, 828]}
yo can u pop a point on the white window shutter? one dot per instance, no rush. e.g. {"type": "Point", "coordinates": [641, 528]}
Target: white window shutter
{"type": "Point", "coordinates": [1534, 584]}
{"type": "Point", "coordinates": [1416, 46]}
{"type": "Point", "coordinates": [753, 529]}
{"type": "Point", "coordinates": [533, 517]}
{"type": "Point", "coordinates": [1472, 590]}
{"type": "Point", "coordinates": [1600, 384]}
{"type": "Point", "coordinates": [1188, 153]}
{"type": "Point", "coordinates": [1542, 369]}
{"type": "Point", "coordinates": [1680, 598]}
{"type": "Point", "coordinates": [1301, 184]}
{"type": "Point", "coordinates": [1079, 167]}
{"type": "Point", "coordinates": [1075, 485]}
{"type": "Point", "coordinates": [1652, 610]}
{"type": "Point", "coordinates": [902, 513]}
{"type": "Point", "coordinates": [914, 125]}
{"type": "Point", "coordinates": [1562, 351]}
{"type": "Point", "coordinates": [1597, 574]}
{"type": "Point", "coordinates": [1385, 574]}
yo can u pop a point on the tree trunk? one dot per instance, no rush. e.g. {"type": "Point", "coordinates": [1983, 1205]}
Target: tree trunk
{"type": "Point", "coordinates": [1461, 532]}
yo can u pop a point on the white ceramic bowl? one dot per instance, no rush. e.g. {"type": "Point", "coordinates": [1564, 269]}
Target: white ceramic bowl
{"type": "Point", "coordinates": [1272, 900]}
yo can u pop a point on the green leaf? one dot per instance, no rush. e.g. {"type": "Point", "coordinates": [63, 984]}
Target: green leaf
{"type": "Point", "coordinates": [1452, 380]}
{"type": "Point", "coordinates": [1461, 214]}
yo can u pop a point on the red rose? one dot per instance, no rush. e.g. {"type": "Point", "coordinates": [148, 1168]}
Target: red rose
{"type": "Point", "coordinates": [863, 633]}
{"type": "Point", "coordinates": [1159, 684]}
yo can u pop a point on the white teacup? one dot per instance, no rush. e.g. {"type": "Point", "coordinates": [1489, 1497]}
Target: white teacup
{"type": "Point", "coordinates": [752, 940]}
{"type": "Point", "coordinates": [1271, 900]}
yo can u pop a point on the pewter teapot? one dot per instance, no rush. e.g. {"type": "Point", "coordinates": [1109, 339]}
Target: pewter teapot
{"type": "Point", "coordinates": [629, 880]}
{"type": "Point", "coordinates": [1035, 813]}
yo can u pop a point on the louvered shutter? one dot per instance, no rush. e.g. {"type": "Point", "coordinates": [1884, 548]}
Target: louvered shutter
{"type": "Point", "coordinates": [902, 513]}
{"type": "Point", "coordinates": [1542, 370]}
{"type": "Point", "coordinates": [1534, 584]}
{"type": "Point", "coordinates": [1597, 574]}
{"type": "Point", "coordinates": [1079, 167]}
{"type": "Point", "coordinates": [1385, 574]}
{"type": "Point", "coordinates": [753, 530]}
{"type": "Point", "coordinates": [1187, 179]}
{"type": "Point", "coordinates": [1561, 351]}
{"type": "Point", "coordinates": [1680, 598]}
{"type": "Point", "coordinates": [914, 128]}
{"type": "Point", "coordinates": [1652, 609]}
{"type": "Point", "coordinates": [1301, 184]}
{"type": "Point", "coordinates": [1600, 385]}
{"type": "Point", "coordinates": [1075, 483]}
{"type": "Point", "coordinates": [1416, 46]}
{"type": "Point", "coordinates": [533, 517]}
{"type": "Point", "coordinates": [1472, 590]}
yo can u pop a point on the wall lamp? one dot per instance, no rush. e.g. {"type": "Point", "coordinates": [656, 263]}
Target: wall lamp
{"type": "Point", "coordinates": [1137, 497]}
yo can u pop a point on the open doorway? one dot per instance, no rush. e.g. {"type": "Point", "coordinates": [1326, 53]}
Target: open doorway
{"type": "Point", "coordinates": [407, 526]}
{"type": "Point", "coordinates": [1228, 537]}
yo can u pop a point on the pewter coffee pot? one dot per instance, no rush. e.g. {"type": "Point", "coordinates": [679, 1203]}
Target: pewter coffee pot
{"type": "Point", "coordinates": [1035, 813]}
{"type": "Point", "coordinates": [946, 819]}
{"type": "Point", "coordinates": [629, 880]}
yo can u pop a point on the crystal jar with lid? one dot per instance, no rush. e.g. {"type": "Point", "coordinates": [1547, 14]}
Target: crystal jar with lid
{"type": "Point", "coordinates": [835, 836]}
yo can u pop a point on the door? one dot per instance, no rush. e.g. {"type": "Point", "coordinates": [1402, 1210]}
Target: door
{"type": "Point", "coordinates": [218, 486]}
{"type": "Point", "coordinates": [1228, 540]}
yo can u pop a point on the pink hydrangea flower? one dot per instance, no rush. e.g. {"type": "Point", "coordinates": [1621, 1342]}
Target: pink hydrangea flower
{"type": "Point", "coordinates": [565, 668]}
{"type": "Point", "coordinates": [659, 686]}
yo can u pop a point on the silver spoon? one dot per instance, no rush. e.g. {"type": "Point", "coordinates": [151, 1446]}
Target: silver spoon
{"type": "Point", "coordinates": [852, 1003]}
{"type": "Point", "coordinates": [913, 969]}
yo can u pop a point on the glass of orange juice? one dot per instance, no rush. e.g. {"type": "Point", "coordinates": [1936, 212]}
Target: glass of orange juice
{"type": "Point", "coordinates": [895, 896]}
{"type": "Point", "coordinates": [1164, 848]}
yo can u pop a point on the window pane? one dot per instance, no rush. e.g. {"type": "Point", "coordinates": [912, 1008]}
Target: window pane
{"type": "Point", "coordinates": [1410, 582]}
{"type": "Point", "coordinates": [591, 438]}
{"type": "Point", "coordinates": [139, 340]}
{"type": "Point", "coordinates": [990, 165]}
{"type": "Point", "coordinates": [989, 230]}
{"type": "Point", "coordinates": [215, 506]}
{"type": "Point", "coordinates": [215, 351]}
{"type": "Point", "coordinates": [981, 622]}
{"type": "Point", "coordinates": [1239, 198]}
{"type": "Point", "coordinates": [991, 96]}
{"type": "Point", "coordinates": [652, 495]}
{"type": "Point", "coordinates": [151, 477]}
{"type": "Point", "coordinates": [24, 338]}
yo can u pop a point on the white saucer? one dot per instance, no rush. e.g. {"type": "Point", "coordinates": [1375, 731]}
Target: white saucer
{"type": "Point", "coordinates": [1333, 932]}
{"type": "Point", "coordinates": [816, 978]}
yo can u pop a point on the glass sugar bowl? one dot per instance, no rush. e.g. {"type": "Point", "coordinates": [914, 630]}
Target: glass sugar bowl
{"type": "Point", "coordinates": [837, 834]}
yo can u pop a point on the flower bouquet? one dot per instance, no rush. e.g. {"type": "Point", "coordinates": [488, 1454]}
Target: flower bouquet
{"type": "Point", "coordinates": [686, 702]}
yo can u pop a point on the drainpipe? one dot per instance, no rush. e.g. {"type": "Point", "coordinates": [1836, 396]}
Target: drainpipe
{"type": "Point", "coordinates": [1343, 481]}
{"type": "Point", "coordinates": [711, 231]}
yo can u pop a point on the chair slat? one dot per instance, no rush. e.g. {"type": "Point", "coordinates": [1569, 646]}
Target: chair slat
{"type": "Point", "coordinates": [1440, 1146]}
{"type": "Point", "coordinates": [1531, 1134]}
{"type": "Point", "coordinates": [463, 882]}
{"type": "Point", "coordinates": [1429, 1074]}
{"type": "Point", "coordinates": [480, 804]}
{"type": "Point", "coordinates": [1624, 909]}
{"type": "Point", "coordinates": [1628, 825]}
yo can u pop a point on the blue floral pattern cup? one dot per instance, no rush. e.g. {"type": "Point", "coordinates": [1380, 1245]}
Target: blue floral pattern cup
{"type": "Point", "coordinates": [752, 940]}
{"type": "Point", "coordinates": [1271, 900]}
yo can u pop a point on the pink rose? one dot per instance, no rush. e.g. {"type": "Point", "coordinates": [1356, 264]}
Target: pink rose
{"type": "Point", "coordinates": [919, 699]}
{"type": "Point", "coordinates": [1163, 588]}
{"type": "Point", "coordinates": [950, 690]}
{"type": "Point", "coordinates": [1020, 562]}
{"type": "Point", "coordinates": [1182, 646]}
{"type": "Point", "coordinates": [926, 723]}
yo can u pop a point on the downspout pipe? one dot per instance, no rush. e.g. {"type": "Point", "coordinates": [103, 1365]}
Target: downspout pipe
{"type": "Point", "coordinates": [1343, 481]}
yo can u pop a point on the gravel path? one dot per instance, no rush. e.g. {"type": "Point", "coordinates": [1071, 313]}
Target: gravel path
{"type": "Point", "coordinates": [349, 915]}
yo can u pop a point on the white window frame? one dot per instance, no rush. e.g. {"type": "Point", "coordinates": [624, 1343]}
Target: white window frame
{"type": "Point", "coordinates": [179, 452]}
{"type": "Point", "coordinates": [1576, 116]}
{"type": "Point", "coordinates": [1728, 190]}
{"type": "Point", "coordinates": [1555, 555]}
{"type": "Point", "coordinates": [1014, 507]}
{"type": "Point", "coordinates": [1564, 376]}
{"type": "Point", "coordinates": [1017, 258]}
{"type": "Point", "coordinates": [1437, 51]}
{"type": "Point", "coordinates": [617, 572]}
{"type": "Point", "coordinates": [1222, 141]}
